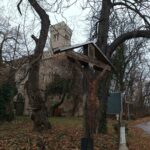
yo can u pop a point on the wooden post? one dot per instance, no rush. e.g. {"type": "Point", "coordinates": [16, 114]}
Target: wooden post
{"type": "Point", "coordinates": [85, 111]}
{"type": "Point", "coordinates": [87, 140]}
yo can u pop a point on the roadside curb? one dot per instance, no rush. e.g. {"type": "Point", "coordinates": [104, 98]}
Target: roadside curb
{"type": "Point", "coordinates": [122, 142]}
{"type": "Point", "coordinates": [123, 147]}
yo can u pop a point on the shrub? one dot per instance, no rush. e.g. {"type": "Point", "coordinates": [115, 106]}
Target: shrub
{"type": "Point", "coordinates": [7, 92]}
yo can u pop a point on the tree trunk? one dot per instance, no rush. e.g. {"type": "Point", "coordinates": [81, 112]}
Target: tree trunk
{"type": "Point", "coordinates": [76, 100]}
{"type": "Point", "coordinates": [102, 38]}
{"type": "Point", "coordinates": [1, 60]}
{"type": "Point", "coordinates": [102, 118]}
{"type": "Point", "coordinates": [37, 101]}
{"type": "Point", "coordinates": [1, 50]}
{"type": "Point", "coordinates": [103, 98]}
{"type": "Point", "coordinates": [103, 26]}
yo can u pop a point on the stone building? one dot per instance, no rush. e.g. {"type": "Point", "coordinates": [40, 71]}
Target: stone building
{"type": "Point", "coordinates": [51, 64]}
{"type": "Point", "coordinates": [60, 35]}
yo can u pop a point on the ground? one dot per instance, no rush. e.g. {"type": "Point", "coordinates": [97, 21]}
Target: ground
{"type": "Point", "coordinates": [65, 135]}
{"type": "Point", "coordinates": [137, 139]}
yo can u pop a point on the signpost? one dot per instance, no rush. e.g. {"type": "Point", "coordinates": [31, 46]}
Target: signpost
{"type": "Point", "coordinates": [114, 103]}
{"type": "Point", "coordinates": [115, 106]}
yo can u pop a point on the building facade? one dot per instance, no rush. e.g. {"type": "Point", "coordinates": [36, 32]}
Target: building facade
{"type": "Point", "coordinates": [49, 66]}
{"type": "Point", "coordinates": [60, 35]}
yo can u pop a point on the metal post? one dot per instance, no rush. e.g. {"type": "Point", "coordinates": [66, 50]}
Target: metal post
{"type": "Point", "coordinates": [121, 112]}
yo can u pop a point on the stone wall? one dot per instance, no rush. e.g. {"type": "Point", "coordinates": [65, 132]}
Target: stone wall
{"type": "Point", "coordinates": [56, 64]}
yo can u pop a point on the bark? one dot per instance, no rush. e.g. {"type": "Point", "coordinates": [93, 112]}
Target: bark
{"type": "Point", "coordinates": [103, 98]}
{"type": "Point", "coordinates": [102, 39]}
{"type": "Point", "coordinates": [76, 100]}
{"type": "Point", "coordinates": [103, 26]}
{"type": "Point", "coordinates": [1, 48]}
{"type": "Point", "coordinates": [39, 112]}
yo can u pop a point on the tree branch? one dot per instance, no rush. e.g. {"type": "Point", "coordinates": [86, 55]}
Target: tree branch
{"type": "Point", "coordinates": [18, 6]}
{"type": "Point", "coordinates": [11, 38]}
{"type": "Point", "coordinates": [34, 38]}
{"type": "Point", "coordinates": [45, 22]}
{"type": "Point", "coordinates": [133, 9]}
{"type": "Point", "coordinates": [126, 36]}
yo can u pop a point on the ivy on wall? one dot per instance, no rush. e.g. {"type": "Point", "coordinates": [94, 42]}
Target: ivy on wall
{"type": "Point", "coordinates": [60, 87]}
{"type": "Point", "coordinates": [7, 92]}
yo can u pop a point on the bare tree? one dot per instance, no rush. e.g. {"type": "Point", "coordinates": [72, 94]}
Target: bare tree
{"type": "Point", "coordinates": [9, 39]}
{"type": "Point", "coordinates": [102, 13]}
{"type": "Point", "coordinates": [39, 113]}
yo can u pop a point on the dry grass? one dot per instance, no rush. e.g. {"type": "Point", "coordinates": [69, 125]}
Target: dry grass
{"type": "Point", "coordinates": [137, 139]}
{"type": "Point", "coordinates": [65, 135]}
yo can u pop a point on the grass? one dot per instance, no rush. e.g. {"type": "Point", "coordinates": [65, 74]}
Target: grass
{"type": "Point", "coordinates": [65, 135]}
{"type": "Point", "coordinates": [69, 121]}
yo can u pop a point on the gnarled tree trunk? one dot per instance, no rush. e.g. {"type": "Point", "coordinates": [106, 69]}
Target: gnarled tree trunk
{"type": "Point", "coordinates": [37, 101]}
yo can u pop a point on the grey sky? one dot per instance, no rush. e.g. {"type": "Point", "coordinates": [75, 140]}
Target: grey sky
{"type": "Point", "coordinates": [74, 16]}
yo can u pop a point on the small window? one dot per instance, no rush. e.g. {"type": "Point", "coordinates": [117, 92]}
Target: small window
{"type": "Point", "coordinates": [66, 37]}
{"type": "Point", "coordinates": [56, 37]}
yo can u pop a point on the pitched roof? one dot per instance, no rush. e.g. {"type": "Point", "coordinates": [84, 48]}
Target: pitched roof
{"type": "Point", "coordinates": [102, 56]}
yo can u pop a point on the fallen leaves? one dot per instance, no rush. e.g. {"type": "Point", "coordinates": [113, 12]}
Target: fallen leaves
{"type": "Point", "coordinates": [137, 139]}
{"type": "Point", "coordinates": [65, 135]}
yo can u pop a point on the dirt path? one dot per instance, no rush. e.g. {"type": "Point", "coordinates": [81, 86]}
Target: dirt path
{"type": "Point", "coordinates": [145, 126]}
{"type": "Point", "coordinates": [138, 135]}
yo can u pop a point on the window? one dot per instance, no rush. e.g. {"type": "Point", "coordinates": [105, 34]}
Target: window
{"type": "Point", "coordinates": [66, 37]}
{"type": "Point", "coordinates": [56, 37]}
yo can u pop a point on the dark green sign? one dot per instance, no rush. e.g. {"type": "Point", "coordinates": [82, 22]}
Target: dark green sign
{"type": "Point", "coordinates": [114, 103]}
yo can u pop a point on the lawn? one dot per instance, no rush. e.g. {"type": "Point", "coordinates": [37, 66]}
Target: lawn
{"type": "Point", "coordinates": [64, 135]}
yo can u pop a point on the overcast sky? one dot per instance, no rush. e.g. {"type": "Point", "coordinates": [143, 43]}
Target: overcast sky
{"type": "Point", "coordinates": [74, 16]}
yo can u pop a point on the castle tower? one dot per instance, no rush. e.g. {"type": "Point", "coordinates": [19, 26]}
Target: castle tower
{"type": "Point", "coordinates": [60, 35]}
